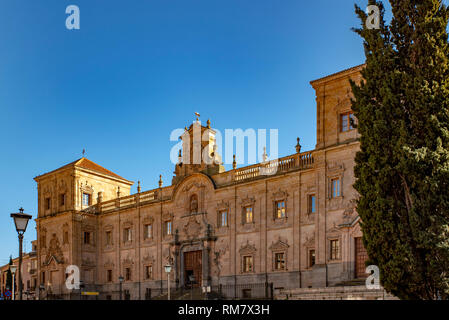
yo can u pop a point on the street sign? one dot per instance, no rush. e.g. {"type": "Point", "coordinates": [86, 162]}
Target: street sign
{"type": "Point", "coordinates": [87, 293]}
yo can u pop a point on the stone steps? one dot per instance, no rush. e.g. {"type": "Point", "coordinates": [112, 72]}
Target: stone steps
{"type": "Point", "coordinates": [334, 293]}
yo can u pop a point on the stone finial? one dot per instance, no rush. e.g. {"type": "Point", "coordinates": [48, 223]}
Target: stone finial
{"type": "Point", "coordinates": [264, 156]}
{"type": "Point", "coordinates": [234, 163]}
{"type": "Point", "coordinates": [100, 197]}
{"type": "Point", "coordinates": [208, 123]}
{"type": "Point", "coordinates": [138, 187]}
{"type": "Point", "coordinates": [118, 192]}
{"type": "Point", "coordinates": [179, 156]}
{"type": "Point", "coordinates": [298, 146]}
{"type": "Point", "coordinates": [185, 128]}
{"type": "Point", "coordinates": [160, 181]}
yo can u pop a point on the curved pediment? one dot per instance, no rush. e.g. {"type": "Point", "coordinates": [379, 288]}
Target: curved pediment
{"type": "Point", "coordinates": [197, 180]}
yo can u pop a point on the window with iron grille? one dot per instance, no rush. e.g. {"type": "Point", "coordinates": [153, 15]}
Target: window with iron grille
{"type": "Point", "coordinates": [280, 209]}
{"type": "Point", "coordinates": [335, 249]}
{"type": "Point", "coordinates": [148, 231]}
{"type": "Point", "coordinates": [223, 218]}
{"type": "Point", "coordinates": [248, 264]}
{"type": "Point", "coordinates": [279, 261]}
{"type": "Point", "coordinates": [248, 216]}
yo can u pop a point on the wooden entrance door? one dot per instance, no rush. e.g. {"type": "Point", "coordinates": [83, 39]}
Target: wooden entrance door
{"type": "Point", "coordinates": [193, 265]}
{"type": "Point", "coordinates": [360, 258]}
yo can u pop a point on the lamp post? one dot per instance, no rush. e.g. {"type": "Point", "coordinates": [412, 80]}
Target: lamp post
{"type": "Point", "coordinates": [21, 222]}
{"type": "Point", "coordinates": [120, 279]}
{"type": "Point", "coordinates": [41, 289]}
{"type": "Point", "coordinates": [168, 270]}
{"type": "Point", "coordinates": [192, 281]}
{"type": "Point", "coordinates": [13, 269]}
{"type": "Point", "coordinates": [81, 285]}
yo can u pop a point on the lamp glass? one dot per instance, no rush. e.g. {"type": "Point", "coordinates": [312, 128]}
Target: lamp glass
{"type": "Point", "coordinates": [120, 279]}
{"type": "Point", "coordinates": [13, 268]}
{"type": "Point", "coordinates": [21, 221]}
{"type": "Point", "coordinates": [168, 268]}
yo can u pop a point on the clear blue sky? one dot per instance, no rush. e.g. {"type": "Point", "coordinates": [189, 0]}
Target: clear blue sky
{"type": "Point", "coordinates": [136, 70]}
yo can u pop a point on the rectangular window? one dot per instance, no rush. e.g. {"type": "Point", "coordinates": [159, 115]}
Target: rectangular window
{"type": "Point", "coordinates": [312, 205]}
{"type": "Point", "coordinates": [127, 235]}
{"type": "Point", "coordinates": [128, 274]}
{"type": "Point", "coordinates": [148, 231]}
{"type": "Point", "coordinates": [335, 186]}
{"type": "Point", "coordinates": [335, 249]}
{"type": "Point", "coordinates": [311, 258]}
{"type": "Point", "coordinates": [47, 203]}
{"type": "Point", "coordinates": [168, 228]}
{"type": "Point", "coordinates": [127, 295]}
{"type": "Point", "coordinates": [43, 241]}
{"type": "Point", "coordinates": [87, 237]}
{"type": "Point", "coordinates": [148, 272]}
{"type": "Point", "coordinates": [248, 215]}
{"type": "Point", "coordinates": [108, 238]}
{"type": "Point", "coordinates": [86, 199]}
{"type": "Point", "coordinates": [223, 218]}
{"type": "Point", "coordinates": [247, 263]}
{"type": "Point", "coordinates": [109, 276]}
{"type": "Point", "coordinates": [280, 209]}
{"type": "Point", "coordinates": [62, 199]}
{"type": "Point", "coordinates": [279, 261]}
{"type": "Point", "coordinates": [345, 121]}
{"type": "Point", "coordinates": [43, 277]}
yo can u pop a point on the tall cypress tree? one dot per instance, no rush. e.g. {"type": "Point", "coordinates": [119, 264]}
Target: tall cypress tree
{"type": "Point", "coordinates": [402, 169]}
{"type": "Point", "coordinates": [9, 276]}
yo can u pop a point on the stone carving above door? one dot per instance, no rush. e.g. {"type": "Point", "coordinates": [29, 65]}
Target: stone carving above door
{"type": "Point", "coordinates": [192, 229]}
{"type": "Point", "coordinates": [54, 252]}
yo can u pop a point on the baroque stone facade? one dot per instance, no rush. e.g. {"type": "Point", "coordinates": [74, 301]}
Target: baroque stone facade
{"type": "Point", "coordinates": [296, 228]}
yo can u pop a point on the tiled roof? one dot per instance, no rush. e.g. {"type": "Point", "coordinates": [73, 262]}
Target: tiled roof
{"type": "Point", "coordinates": [90, 165]}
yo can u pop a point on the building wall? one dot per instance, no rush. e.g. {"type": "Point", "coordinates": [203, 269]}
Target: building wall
{"type": "Point", "coordinates": [61, 233]}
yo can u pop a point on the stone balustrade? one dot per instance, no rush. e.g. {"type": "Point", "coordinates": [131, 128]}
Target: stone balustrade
{"type": "Point", "coordinates": [292, 162]}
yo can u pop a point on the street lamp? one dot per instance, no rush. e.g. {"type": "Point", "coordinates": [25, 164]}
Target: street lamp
{"type": "Point", "coordinates": [21, 222]}
{"type": "Point", "coordinates": [192, 281]}
{"type": "Point", "coordinates": [120, 279]}
{"type": "Point", "coordinates": [41, 288]}
{"type": "Point", "coordinates": [168, 270]}
{"type": "Point", "coordinates": [13, 269]}
{"type": "Point", "coordinates": [81, 285]}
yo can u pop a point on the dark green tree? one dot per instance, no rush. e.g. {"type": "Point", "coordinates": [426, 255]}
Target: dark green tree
{"type": "Point", "coordinates": [402, 168]}
{"type": "Point", "coordinates": [9, 276]}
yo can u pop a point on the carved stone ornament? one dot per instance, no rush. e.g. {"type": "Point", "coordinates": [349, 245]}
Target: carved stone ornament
{"type": "Point", "coordinates": [279, 245]}
{"type": "Point", "coordinates": [54, 252]}
{"type": "Point", "coordinates": [280, 195]}
{"type": "Point", "coordinates": [248, 201]}
{"type": "Point", "coordinates": [247, 248]}
{"type": "Point", "coordinates": [192, 228]}
{"type": "Point", "coordinates": [310, 240]}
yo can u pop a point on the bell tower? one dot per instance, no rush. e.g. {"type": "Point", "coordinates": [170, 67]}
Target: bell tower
{"type": "Point", "coordinates": [199, 152]}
